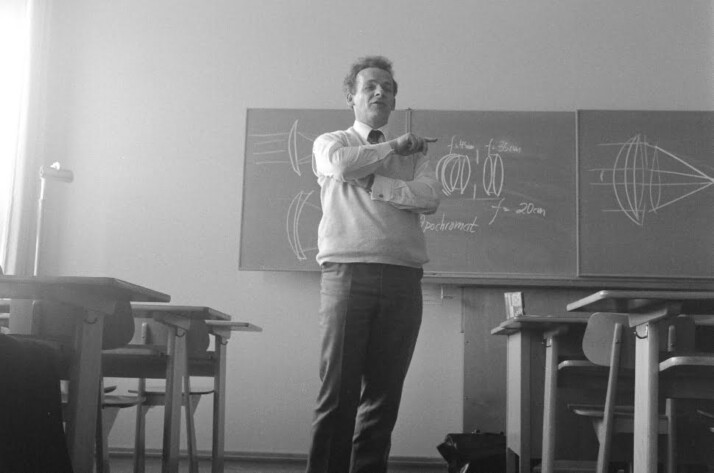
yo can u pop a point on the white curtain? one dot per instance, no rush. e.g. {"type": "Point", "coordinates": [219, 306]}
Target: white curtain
{"type": "Point", "coordinates": [24, 35]}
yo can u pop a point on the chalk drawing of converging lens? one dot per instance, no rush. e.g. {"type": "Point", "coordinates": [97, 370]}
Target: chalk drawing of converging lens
{"type": "Point", "coordinates": [646, 178]}
{"type": "Point", "coordinates": [268, 147]}
{"type": "Point", "coordinates": [493, 175]}
{"type": "Point", "coordinates": [454, 172]}
{"type": "Point", "coordinates": [297, 223]}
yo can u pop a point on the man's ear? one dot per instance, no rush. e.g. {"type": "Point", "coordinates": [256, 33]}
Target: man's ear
{"type": "Point", "coordinates": [350, 101]}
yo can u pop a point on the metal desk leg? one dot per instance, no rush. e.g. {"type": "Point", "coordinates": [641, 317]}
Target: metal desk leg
{"type": "Point", "coordinates": [175, 372]}
{"type": "Point", "coordinates": [518, 412]}
{"type": "Point", "coordinates": [550, 398]}
{"type": "Point", "coordinates": [84, 377]}
{"type": "Point", "coordinates": [646, 396]}
{"type": "Point", "coordinates": [219, 406]}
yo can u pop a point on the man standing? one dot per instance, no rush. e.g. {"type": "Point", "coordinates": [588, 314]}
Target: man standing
{"type": "Point", "coordinates": [371, 251]}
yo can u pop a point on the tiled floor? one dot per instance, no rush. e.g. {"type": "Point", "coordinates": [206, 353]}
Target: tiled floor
{"type": "Point", "coordinates": [153, 465]}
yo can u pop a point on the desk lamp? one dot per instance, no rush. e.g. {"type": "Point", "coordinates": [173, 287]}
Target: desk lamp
{"type": "Point", "coordinates": [47, 173]}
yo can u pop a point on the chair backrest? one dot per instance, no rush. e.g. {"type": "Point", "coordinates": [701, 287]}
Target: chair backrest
{"type": "Point", "coordinates": [676, 336]}
{"type": "Point", "coordinates": [151, 331]}
{"type": "Point", "coordinates": [598, 339]}
{"type": "Point", "coordinates": [56, 320]}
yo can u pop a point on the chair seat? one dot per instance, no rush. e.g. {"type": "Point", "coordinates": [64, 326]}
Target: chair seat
{"type": "Point", "coordinates": [579, 364]}
{"type": "Point", "coordinates": [596, 410]}
{"type": "Point", "coordinates": [121, 401]}
{"type": "Point", "coordinates": [624, 417]}
{"type": "Point", "coordinates": [702, 362]}
{"type": "Point", "coordinates": [161, 390]}
{"type": "Point", "coordinates": [584, 374]}
{"type": "Point", "coordinates": [138, 349]}
{"type": "Point", "coordinates": [573, 370]}
{"type": "Point", "coordinates": [156, 396]}
{"type": "Point", "coordinates": [590, 368]}
{"type": "Point", "coordinates": [688, 376]}
{"type": "Point", "coordinates": [570, 466]}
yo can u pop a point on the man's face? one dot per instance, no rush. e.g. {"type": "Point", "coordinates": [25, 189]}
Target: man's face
{"type": "Point", "coordinates": [373, 99]}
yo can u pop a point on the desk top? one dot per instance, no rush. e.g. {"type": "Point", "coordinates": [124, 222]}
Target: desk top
{"type": "Point", "coordinates": [187, 311]}
{"type": "Point", "coordinates": [213, 318]}
{"type": "Point", "coordinates": [62, 287]}
{"type": "Point", "coordinates": [637, 302]}
{"type": "Point", "coordinates": [536, 322]}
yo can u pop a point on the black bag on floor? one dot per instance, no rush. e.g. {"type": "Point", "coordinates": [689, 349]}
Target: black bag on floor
{"type": "Point", "coordinates": [474, 453]}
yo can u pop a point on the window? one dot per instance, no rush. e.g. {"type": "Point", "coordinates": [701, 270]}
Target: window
{"type": "Point", "coordinates": [14, 57]}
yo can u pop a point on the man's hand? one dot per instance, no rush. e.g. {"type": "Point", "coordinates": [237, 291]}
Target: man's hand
{"type": "Point", "coordinates": [409, 143]}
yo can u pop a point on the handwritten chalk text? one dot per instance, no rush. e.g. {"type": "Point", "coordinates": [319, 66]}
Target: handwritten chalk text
{"type": "Point", "coordinates": [448, 225]}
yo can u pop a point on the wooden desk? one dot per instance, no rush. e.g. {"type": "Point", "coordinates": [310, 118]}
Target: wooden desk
{"type": "Point", "coordinates": [523, 333]}
{"type": "Point", "coordinates": [98, 297]}
{"type": "Point", "coordinates": [645, 309]}
{"type": "Point", "coordinates": [186, 325]}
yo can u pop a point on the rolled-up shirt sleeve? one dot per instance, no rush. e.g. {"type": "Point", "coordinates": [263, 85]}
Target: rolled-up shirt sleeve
{"type": "Point", "coordinates": [335, 158]}
{"type": "Point", "coordinates": [419, 195]}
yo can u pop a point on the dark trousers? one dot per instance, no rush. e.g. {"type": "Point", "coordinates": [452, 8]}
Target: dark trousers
{"type": "Point", "coordinates": [370, 316]}
{"type": "Point", "coordinates": [32, 439]}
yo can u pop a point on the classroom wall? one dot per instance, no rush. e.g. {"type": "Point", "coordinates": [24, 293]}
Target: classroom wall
{"type": "Point", "coordinates": [147, 104]}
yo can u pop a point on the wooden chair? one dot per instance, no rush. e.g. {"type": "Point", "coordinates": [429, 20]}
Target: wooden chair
{"type": "Point", "coordinates": [575, 370]}
{"type": "Point", "coordinates": [609, 342]}
{"type": "Point", "coordinates": [159, 352]}
{"type": "Point", "coordinates": [109, 406]}
{"type": "Point", "coordinates": [686, 375]}
{"type": "Point", "coordinates": [178, 348]}
{"type": "Point", "coordinates": [604, 345]}
{"type": "Point", "coordinates": [156, 397]}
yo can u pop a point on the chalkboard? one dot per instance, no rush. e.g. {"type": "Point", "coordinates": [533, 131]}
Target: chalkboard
{"type": "Point", "coordinates": [508, 205]}
{"type": "Point", "coordinates": [281, 197]}
{"type": "Point", "coordinates": [646, 204]}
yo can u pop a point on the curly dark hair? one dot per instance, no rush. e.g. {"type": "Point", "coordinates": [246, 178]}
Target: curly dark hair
{"type": "Point", "coordinates": [379, 62]}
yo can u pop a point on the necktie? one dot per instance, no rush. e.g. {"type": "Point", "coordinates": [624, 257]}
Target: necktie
{"type": "Point", "coordinates": [374, 137]}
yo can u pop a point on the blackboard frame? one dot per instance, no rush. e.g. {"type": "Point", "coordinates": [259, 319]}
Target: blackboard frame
{"type": "Point", "coordinates": [640, 210]}
{"type": "Point", "coordinates": [255, 231]}
{"type": "Point", "coordinates": [583, 270]}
